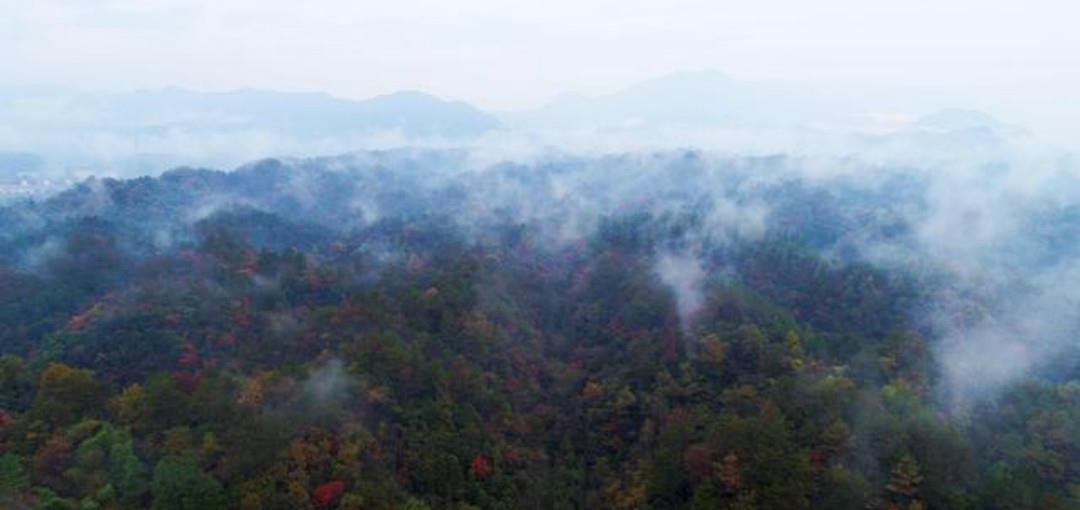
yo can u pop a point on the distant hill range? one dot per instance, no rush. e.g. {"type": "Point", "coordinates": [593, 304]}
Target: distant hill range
{"type": "Point", "coordinates": [69, 134]}
{"type": "Point", "coordinates": [63, 134]}
{"type": "Point", "coordinates": [712, 99]}
{"type": "Point", "coordinates": [410, 112]}
{"type": "Point", "coordinates": [709, 98]}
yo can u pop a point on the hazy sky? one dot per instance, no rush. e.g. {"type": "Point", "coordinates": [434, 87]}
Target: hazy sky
{"type": "Point", "coordinates": [1016, 58]}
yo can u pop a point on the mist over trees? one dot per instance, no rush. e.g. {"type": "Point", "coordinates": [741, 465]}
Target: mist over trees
{"type": "Point", "coordinates": [457, 329]}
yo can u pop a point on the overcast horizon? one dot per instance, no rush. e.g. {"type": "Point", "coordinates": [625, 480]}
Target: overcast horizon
{"type": "Point", "coordinates": [1020, 61]}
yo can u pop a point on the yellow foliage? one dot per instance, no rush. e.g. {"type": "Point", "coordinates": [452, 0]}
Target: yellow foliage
{"type": "Point", "coordinates": [298, 496]}
{"type": "Point", "coordinates": [713, 350]}
{"type": "Point", "coordinates": [177, 441]}
{"type": "Point", "coordinates": [130, 406]}
{"type": "Point", "coordinates": [592, 390]}
{"type": "Point", "coordinates": [254, 391]}
{"type": "Point", "coordinates": [251, 501]}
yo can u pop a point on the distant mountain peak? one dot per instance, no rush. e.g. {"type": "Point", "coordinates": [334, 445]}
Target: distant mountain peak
{"type": "Point", "coordinates": [706, 97]}
{"type": "Point", "coordinates": [958, 118]}
{"type": "Point", "coordinates": [411, 95]}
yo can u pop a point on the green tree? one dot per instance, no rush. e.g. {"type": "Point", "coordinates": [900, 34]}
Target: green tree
{"type": "Point", "coordinates": [108, 459]}
{"type": "Point", "coordinates": [906, 478]}
{"type": "Point", "coordinates": [15, 385]}
{"type": "Point", "coordinates": [13, 476]}
{"type": "Point", "coordinates": [844, 489]}
{"type": "Point", "coordinates": [179, 484]}
{"type": "Point", "coordinates": [165, 405]}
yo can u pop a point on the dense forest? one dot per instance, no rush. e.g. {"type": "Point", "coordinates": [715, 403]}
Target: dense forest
{"type": "Point", "coordinates": [424, 330]}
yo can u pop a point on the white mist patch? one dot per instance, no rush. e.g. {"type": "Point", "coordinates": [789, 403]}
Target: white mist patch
{"type": "Point", "coordinates": [328, 384]}
{"type": "Point", "coordinates": [163, 239]}
{"type": "Point", "coordinates": [36, 257]}
{"type": "Point", "coordinates": [1025, 335]}
{"type": "Point", "coordinates": [738, 221]}
{"type": "Point", "coordinates": [982, 362]}
{"type": "Point", "coordinates": [210, 205]}
{"type": "Point", "coordinates": [685, 276]}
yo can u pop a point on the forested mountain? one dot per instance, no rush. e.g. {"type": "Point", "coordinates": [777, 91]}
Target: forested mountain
{"type": "Point", "coordinates": [428, 329]}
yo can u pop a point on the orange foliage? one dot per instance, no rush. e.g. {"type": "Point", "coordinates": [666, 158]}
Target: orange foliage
{"type": "Point", "coordinates": [728, 472]}
{"type": "Point", "coordinates": [592, 390]}
{"type": "Point", "coordinates": [80, 321]}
